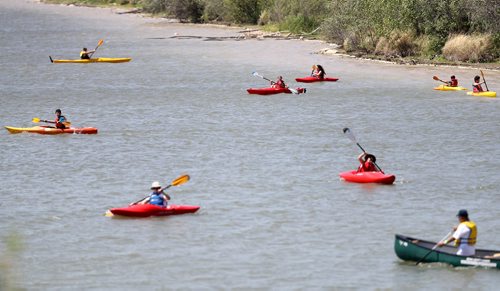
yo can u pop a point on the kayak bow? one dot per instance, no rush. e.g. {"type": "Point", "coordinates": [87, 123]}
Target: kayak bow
{"type": "Point", "coordinates": [367, 177]}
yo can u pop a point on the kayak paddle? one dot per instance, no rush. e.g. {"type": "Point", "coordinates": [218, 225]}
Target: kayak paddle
{"type": "Point", "coordinates": [351, 136]}
{"type": "Point", "coordinates": [37, 120]}
{"type": "Point", "coordinates": [424, 257]}
{"type": "Point", "coordinates": [98, 45]}
{"type": "Point", "coordinates": [484, 80]}
{"type": "Point", "coordinates": [437, 79]}
{"type": "Point", "coordinates": [272, 82]}
{"type": "Point", "coordinates": [179, 181]}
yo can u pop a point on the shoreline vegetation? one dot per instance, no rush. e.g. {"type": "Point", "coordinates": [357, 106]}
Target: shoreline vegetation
{"type": "Point", "coordinates": [462, 33]}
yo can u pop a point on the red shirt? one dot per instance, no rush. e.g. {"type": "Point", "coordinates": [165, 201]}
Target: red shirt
{"type": "Point", "coordinates": [454, 83]}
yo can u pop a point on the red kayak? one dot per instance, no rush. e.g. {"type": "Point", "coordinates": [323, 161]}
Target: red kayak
{"type": "Point", "coordinates": [272, 90]}
{"type": "Point", "coordinates": [311, 79]}
{"type": "Point", "coordinates": [146, 210]}
{"type": "Point", "coordinates": [367, 177]}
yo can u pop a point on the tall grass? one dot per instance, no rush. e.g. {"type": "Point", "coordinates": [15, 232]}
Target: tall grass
{"type": "Point", "coordinates": [468, 48]}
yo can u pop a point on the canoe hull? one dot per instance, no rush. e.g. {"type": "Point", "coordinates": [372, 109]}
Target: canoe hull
{"type": "Point", "coordinates": [271, 91]}
{"type": "Point", "coordinates": [96, 60]}
{"type": "Point", "coordinates": [52, 130]}
{"type": "Point", "coordinates": [314, 79]}
{"type": "Point", "coordinates": [448, 88]}
{"type": "Point", "coordinates": [490, 94]}
{"type": "Point", "coordinates": [411, 249]}
{"type": "Point", "coordinates": [147, 210]}
{"type": "Point", "coordinates": [367, 177]}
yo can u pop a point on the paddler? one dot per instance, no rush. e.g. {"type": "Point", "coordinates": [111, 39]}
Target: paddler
{"type": "Point", "coordinates": [85, 55]}
{"type": "Point", "coordinates": [279, 83]}
{"type": "Point", "coordinates": [453, 82]}
{"type": "Point", "coordinates": [367, 163]}
{"type": "Point", "coordinates": [476, 87]}
{"type": "Point", "coordinates": [157, 197]}
{"type": "Point", "coordinates": [318, 72]}
{"type": "Point", "coordinates": [464, 236]}
{"type": "Point", "coordinates": [60, 119]}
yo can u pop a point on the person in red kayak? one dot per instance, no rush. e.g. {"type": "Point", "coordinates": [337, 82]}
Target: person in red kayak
{"type": "Point", "coordinates": [158, 197]}
{"type": "Point", "coordinates": [476, 87]}
{"type": "Point", "coordinates": [85, 55]}
{"type": "Point", "coordinates": [453, 82]}
{"type": "Point", "coordinates": [279, 83]}
{"type": "Point", "coordinates": [367, 163]}
{"type": "Point", "coordinates": [464, 235]}
{"type": "Point", "coordinates": [60, 120]}
{"type": "Point", "coordinates": [318, 72]}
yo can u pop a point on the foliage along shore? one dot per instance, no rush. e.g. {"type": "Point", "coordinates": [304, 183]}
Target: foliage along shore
{"type": "Point", "coordinates": [447, 32]}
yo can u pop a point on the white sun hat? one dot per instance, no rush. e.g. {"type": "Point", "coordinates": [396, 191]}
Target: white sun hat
{"type": "Point", "coordinates": [155, 184]}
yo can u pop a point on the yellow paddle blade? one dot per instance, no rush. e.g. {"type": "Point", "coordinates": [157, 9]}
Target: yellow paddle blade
{"type": "Point", "coordinates": [181, 180]}
{"type": "Point", "coordinates": [35, 120]}
{"type": "Point", "coordinates": [100, 43]}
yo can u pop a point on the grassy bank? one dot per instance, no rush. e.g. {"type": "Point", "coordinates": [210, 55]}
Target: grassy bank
{"type": "Point", "coordinates": [445, 31]}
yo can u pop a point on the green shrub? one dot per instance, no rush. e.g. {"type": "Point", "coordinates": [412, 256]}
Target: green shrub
{"type": "Point", "coordinates": [243, 11]}
{"type": "Point", "coordinates": [298, 24]}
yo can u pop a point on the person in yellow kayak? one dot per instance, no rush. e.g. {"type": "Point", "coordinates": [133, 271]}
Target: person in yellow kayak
{"type": "Point", "coordinates": [85, 55]}
{"type": "Point", "coordinates": [318, 72]}
{"type": "Point", "coordinates": [60, 120]}
{"type": "Point", "coordinates": [464, 236]}
{"type": "Point", "coordinates": [279, 83]}
{"type": "Point", "coordinates": [476, 87]}
{"type": "Point", "coordinates": [453, 82]}
{"type": "Point", "coordinates": [158, 197]}
{"type": "Point", "coordinates": [367, 163]}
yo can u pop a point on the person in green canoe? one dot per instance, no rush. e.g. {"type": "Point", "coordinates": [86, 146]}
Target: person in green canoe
{"type": "Point", "coordinates": [85, 55]}
{"type": "Point", "coordinates": [464, 236]}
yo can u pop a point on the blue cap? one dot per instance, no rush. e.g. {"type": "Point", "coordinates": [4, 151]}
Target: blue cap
{"type": "Point", "coordinates": [462, 213]}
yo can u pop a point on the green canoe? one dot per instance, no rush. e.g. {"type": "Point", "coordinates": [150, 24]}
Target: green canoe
{"type": "Point", "coordinates": [412, 249]}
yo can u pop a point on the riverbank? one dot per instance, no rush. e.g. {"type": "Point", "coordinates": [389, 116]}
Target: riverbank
{"type": "Point", "coordinates": [258, 32]}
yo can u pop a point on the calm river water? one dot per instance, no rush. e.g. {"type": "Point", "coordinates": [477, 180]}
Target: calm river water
{"type": "Point", "coordinates": [264, 170]}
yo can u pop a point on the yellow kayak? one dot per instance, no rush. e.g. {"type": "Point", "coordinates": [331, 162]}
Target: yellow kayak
{"type": "Point", "coordinates": [490, 94]}
{"type": "Point", "coordinates": [52, 130]}
{"type": "Point", "coordinates": [96, 60]}
{"type": "Point", "coordinates": [448, 88]}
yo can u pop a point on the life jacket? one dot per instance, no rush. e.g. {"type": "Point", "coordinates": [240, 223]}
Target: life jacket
{"type": "Point", "coordinates": [280, 84]}
{"type": "Point", "coordinates": [477, 88]}
{"type": "Point", "coordinates": [60, 122]}
{"type": "Point", "coordinates": [471, 240]}
{"type": "Point", "coordinates": [367, 167]}
{"type": "Point", "coordinates": [454, 83]}
{"type": "Point", "coordinates": [84, 55]}
{"type": "Point", "coordinates": [157, 199]}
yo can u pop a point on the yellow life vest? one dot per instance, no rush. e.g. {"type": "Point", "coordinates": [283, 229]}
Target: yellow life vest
{"type": "Point", "coordinates": [84, 55]}
{"type": "Point", "coordinates": [471, 240]}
